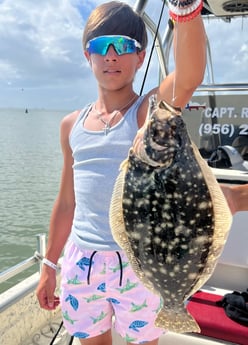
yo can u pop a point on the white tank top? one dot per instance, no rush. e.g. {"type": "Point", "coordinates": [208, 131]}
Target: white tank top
{"type": "Point", "coordinates": [97, 159]}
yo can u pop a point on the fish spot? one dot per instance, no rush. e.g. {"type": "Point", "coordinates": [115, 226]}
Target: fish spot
{"type": "Point", "coordinates": [136, 235]}
{"type": "Point", "coordinates": [188, 199]}
{"type": "Point", "coordinates": [163, 270]}
{"type": "Point", "coordinates": [157, 229]}
{"type": "Point", "coordinates": [156, 240]}
{"type": "Point", "coordinates": [176, 268]}
{"type": "Point", "coordinates": [201, 239]}
{"type": "Point", "coordinates": [127, 201]}
{"type": "Point", "coordinates": [203, 205]}
{"type": "Point", "coordinates": [179, 230]}
{"type": "Point", "coordinates": [166, 215]}
{"type": "Point", "coordinates": [147, 240]}
{"type": "Point", "coordinates": [192, 276]}
{"type": "Point", "coordinates": [166, 207]}
{"type": "Point", "coordinates": [184, 247]}
{"type": "Point", "coordinates": [169, 259]}
{"type": "Point", "coordinates": [148, 273]}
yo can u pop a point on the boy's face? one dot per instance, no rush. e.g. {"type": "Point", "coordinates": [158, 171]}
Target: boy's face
{"type": "Point", "coordinates": [113, 70]}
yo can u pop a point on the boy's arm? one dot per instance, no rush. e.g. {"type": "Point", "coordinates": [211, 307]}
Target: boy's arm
{"type": "Point", "coordinates": [63, 209]}
{"type": "Point", "coordinates": [237, 197]}
{"type": "Point", "coordinates": [60, 223]}
{"type": "Point", "coordinates": [190, 62]}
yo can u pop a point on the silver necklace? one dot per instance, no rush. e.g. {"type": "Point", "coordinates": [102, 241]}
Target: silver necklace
{"type": "Point", "coordinates": [107, 124]}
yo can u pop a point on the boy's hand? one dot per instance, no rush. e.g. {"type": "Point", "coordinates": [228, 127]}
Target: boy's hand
{"type": "Point", "coordinates": [46, 288]}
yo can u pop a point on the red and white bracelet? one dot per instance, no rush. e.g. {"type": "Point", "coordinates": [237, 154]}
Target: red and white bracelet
{"type": "Point", "coordinates": [184, 10]}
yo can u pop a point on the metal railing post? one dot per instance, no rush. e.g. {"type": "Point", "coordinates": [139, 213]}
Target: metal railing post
{"type": "Point", "coordinates": [41, 246]}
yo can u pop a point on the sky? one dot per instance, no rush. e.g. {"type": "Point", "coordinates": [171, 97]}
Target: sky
{"type": "Point", "coordinates": [42, 63]}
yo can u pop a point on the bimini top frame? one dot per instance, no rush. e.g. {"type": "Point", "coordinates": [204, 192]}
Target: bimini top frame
{"type": "Point", "coordinates": [211, 9]}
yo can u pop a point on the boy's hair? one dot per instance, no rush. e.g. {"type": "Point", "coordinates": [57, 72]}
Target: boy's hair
{"type": "Point", "coordinates": [115, 18]}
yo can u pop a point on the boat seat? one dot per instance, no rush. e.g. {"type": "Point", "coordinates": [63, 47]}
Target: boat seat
{"type": "Point", "coordinates": [232, 271]}
{"type": "Point", "coordinates": [213, 320]}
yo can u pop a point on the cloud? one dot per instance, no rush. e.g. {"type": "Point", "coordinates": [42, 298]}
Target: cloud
{"type": "Point", "coordinates": [228, 42]}
{"type": "Point", "coordinates": [42, 62]}
{"type": "Point", "coordinates": [38, 41]}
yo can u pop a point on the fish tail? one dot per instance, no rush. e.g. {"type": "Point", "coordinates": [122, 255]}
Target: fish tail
{"type": "Point", "coordinates": [177, 321]}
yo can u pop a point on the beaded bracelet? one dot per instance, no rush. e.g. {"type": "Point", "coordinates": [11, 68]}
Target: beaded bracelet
{"type": "Point", "coordinates": [182, 11]}
{"type": "Point", "coordinates": [49, 263]}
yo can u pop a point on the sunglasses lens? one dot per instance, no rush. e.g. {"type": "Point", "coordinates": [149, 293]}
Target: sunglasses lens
{"type": "Point", "coordinates": [97, 46]}
{"type": "Point", "coordinates": [124, 46]}
{"type": "Point", "coordinates": [121, 44]}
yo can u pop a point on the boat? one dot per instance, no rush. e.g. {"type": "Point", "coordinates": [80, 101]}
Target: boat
{"type": "Point", "coordinates": [217, 115]}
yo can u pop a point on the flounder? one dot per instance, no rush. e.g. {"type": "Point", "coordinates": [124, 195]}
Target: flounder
{"type": "Point", "coordinates": [169, 215]}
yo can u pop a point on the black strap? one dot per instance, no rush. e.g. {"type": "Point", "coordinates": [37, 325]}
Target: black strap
{"type": "Point", "coordinates": [121, 267]}
{"type": "Point", "coordinates": [90, 264]}
{"type": "Point", "coordinates": [56, 334]}
{"type": "Point", "coordinates": [71, 340]}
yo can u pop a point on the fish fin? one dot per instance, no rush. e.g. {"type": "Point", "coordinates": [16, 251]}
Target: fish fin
{"type": "Point", "coordinates": [222, 219]}
{"type": "Point", "coordinates": [116, 211]}
{"type": "Point", "coordinates": [221, 208]}
{"type": "Point", "coordinates": [124, 164]}
{"type": "Point", "coordinates": [177, 322]}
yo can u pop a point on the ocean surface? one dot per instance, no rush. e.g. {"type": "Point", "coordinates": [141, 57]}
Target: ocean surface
{"type": "Point", "coordinates": [30, 167]}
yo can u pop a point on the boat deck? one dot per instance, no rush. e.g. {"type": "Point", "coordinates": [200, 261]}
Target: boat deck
{"type": "Point", "coordinates": [168, 338]}
{"type": "Point", "coordinates": [45, 336]}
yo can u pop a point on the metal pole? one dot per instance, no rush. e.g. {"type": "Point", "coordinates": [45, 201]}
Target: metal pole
{"type": "Point", "coordinates": [139, 6]}
{"type": "Point", "coordinates": [41, 246]}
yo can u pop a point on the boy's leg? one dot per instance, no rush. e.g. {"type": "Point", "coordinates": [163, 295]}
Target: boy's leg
{"type": "Point", "coordinates": [87, 313]}
{"type": "Point", "coordinates": [135, 307]}
{"type": "Point", "coordinates": [103, 339]}
{"type": "Point", "coordinates": [153, 342]}
{"type": "Point", "coordinates": [106, 339]}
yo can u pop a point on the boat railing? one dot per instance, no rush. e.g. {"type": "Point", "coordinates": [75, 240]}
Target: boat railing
{"type": "Point", "coordinates": [14, 294]}
{"type": "Point", "coordinates": [227, 87]}
{"type": "Point", "coordinates": [11, 296]}
{"type": "Point", "coordinates": [25, 264]}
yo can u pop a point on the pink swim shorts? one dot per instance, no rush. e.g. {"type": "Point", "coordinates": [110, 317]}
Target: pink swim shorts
{"type": "Point", "coordinates": [97, 286]}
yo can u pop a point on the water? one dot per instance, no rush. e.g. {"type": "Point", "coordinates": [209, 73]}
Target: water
{"type": "Point", "coordinates": [30, 166]}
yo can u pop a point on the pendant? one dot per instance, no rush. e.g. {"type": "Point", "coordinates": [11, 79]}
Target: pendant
{"type": "Point", "coordinates": [106, 129]}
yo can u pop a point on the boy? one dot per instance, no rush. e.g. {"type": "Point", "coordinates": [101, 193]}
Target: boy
{"type": "Point", "coordinates": [97, 280]}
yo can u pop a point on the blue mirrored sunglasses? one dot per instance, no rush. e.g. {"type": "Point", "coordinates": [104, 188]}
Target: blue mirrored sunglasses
{"type": "Point", "coordinates": [121, 44]}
